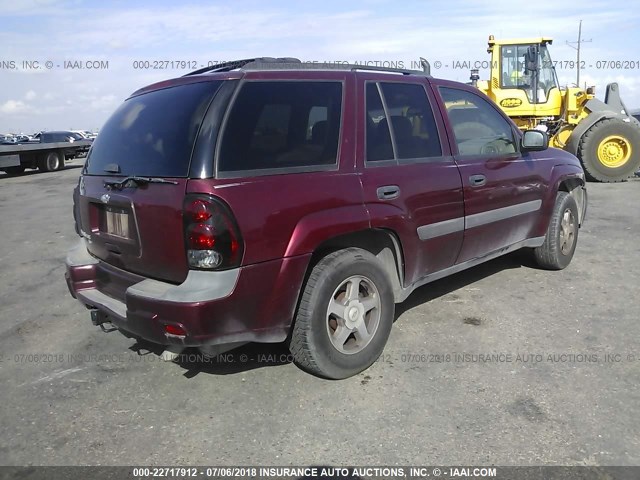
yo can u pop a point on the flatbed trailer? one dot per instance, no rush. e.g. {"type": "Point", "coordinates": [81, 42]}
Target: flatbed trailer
{"type": "Point", "coordinates": [46, 157]}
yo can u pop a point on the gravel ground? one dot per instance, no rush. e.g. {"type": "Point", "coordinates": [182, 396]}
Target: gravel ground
{"type": "Point", "coordinates": [503, 364]}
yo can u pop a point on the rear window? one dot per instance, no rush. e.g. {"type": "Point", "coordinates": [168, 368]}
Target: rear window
{"type": "Point", "coordinates": [282, 125]}
{"type": "Point", "coordinates": [153, 134]}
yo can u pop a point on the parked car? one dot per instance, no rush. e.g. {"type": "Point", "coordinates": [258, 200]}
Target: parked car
{"type": "Point", "coordinates": [86, 134]}
{"type": "Point", "coordinates": [64, 136]}
{"type": "Point", "coordinates": [273, 202]}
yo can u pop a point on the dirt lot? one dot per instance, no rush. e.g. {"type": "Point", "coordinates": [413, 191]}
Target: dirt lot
{"type": "Point", "coordinates": [503, 364]}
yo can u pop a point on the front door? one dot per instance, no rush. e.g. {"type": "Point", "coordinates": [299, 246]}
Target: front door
{"type": "Point", "coordinates": [502, 188]}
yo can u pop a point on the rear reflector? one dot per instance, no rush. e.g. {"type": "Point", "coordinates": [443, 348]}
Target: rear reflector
{"type": "Point", "coordinates": [176, 330]}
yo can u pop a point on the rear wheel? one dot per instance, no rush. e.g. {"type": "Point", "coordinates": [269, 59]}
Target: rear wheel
{"type": "Point", "coordinates": [51, 161]}
{"type": "Point", "coordinates": [562, 235]}
{"type": "Point", "coordinates": [610, 150]}
{"type": "Point", "coordinates": [345, 315]}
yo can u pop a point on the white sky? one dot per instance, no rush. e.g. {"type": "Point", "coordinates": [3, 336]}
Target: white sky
{"type": "Point", "coordinates": [121, 32]}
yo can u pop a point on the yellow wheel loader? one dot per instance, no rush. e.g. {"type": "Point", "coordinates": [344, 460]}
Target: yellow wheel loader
{"type": "Point", "coordinates": [603, 135]}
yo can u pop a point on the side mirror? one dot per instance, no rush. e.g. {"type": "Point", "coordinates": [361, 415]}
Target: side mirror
{"type": "Point", "coordinates": [534, 140]}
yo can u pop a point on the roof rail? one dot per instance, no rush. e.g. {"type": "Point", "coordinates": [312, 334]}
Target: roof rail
{"type": "Point", "coordinates": [235, 64]}
{"type": "Point", "coordinates": [283, 63]}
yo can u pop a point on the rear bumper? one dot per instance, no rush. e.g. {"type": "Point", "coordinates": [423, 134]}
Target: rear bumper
{"type": "Point", "coordinates": [254, 303]}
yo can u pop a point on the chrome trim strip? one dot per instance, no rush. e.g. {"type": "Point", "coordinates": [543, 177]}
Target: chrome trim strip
{"type": "Point", "coordinates": [503, 213]}
{"type": "Point", "coordinates": [433, 230]}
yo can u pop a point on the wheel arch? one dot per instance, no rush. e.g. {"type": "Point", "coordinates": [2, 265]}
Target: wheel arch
{"type": "Point", "coordinates": [583, 127]}
{"type": "Point", "coordinates": [575, 186]}
{"type": "Point", "coordinates": [382, 243]}
{"type": "Point", "coordinates": [563, 178]}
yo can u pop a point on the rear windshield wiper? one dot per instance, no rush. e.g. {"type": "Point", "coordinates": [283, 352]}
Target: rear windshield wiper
{"type": "Point", "coordinates": [134, 181]}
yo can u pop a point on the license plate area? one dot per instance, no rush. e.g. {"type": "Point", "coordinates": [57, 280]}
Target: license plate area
{"type": "Point", "coordinates": [116, 222]}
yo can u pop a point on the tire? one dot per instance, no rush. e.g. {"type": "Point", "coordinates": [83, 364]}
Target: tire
{"type": "Point", "coordinates": [17, 170]}
{"type": "Point", "coordinates": [562, 235]}
{"type": "Point", "coordinates": [340, 345]}
{"type": "Point", "coordinates": [610, 150]}
{"type": "Point", "coordinates": [51, 162]}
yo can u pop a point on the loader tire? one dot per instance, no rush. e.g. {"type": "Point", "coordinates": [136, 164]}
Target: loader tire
{"type": "Point", "coordinates": [610, 150]}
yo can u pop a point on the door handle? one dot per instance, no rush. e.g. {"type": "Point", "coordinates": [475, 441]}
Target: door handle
{"type": "Point", "coordinates": [388, 192]}
{"type": "Point", "coordinates": [477, 180]}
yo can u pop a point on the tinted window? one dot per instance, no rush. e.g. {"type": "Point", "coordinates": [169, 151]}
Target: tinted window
{"type": "Point", "coordinates": [378, 138]}
{"type": "Point", "coordinates": [153, 134]}
{"type": "Point", "coordinates": [415, 134]}
{"type": "Point", "coordinates": [412, 123]}
{"type": "Point", "coordinates": [54, 137]}
{"type": "Point", "coordinates": [479, 129]}
{"type": "Point", "coordinates": [282, 125]}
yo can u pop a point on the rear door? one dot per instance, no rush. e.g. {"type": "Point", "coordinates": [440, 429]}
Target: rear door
{"type": "Point", "coordinates": [138, 226]}
{"type": "Point", "coordinates": [410, 181]}
{"type": "Point", "coordinates": [502, 188]}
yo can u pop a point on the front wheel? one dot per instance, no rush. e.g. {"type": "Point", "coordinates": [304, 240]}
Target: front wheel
{"type": "Point", "coordinates": [562, 235]}
{"type": "Point", "coordinates": [345, 315]}
{"type": "Point", "coordinates": [610, 150]}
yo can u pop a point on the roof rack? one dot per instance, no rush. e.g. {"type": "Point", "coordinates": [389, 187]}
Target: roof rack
{"type": "Point", "coordinates": [222, 67]}
{"type": "Point", "coordinates": [284, 63]}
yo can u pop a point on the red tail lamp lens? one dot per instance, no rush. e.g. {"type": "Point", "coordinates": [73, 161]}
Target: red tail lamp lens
{"type": "Point", "coordinates": [199, 210]}
{"type": "Point", "coordinates": [202, 237]}
{"type": "Point", "coordinates": [175, 330]}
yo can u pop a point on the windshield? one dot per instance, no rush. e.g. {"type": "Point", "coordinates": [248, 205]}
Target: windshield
{"type": "Point", "coordinates": [514, 74]}
{"type": "Point", "coordinates": [152, 134]}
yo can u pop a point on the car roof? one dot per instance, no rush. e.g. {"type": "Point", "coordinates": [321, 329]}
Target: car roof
{"type": "Point", "coordinates": [237, 69]}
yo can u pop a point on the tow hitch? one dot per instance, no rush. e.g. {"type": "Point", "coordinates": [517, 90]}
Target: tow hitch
{"type": "Point", "coordinates": [99, 318]}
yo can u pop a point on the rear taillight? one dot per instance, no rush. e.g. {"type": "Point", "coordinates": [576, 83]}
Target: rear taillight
{"type": "Point", "coordinates": [212, 237]}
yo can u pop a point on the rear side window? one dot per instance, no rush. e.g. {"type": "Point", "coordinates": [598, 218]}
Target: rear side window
{"type": "Point", "coordinates": [479, 129]}
{"type": "Point", "coordinates": [408, 116]}
{"type": "Point", "coordinates": [153, 134]}
{"type": "Point", "coordinates": [282, 124]}
{"type": "Point", "coordinates": [54, 137]}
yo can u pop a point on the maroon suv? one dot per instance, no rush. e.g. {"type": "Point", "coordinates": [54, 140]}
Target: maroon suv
{"type": "Point", "coordinates": [266, 201]}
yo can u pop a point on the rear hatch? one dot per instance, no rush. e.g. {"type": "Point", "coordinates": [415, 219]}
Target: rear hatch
{"type": "Point", "coordinates": [131, 194]}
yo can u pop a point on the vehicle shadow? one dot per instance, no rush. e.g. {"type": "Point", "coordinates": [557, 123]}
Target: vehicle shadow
{"type": "Point", "coordinates": [444, 286]}
{"type": "Point", "coordinates": [30, 172]}
{"type": "Point", "coordinates": [260, 355]}
{"type": "Point", "coordinates": [244, 358]}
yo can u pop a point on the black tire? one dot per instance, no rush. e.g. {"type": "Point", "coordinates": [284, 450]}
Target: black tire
{"type": "Point", "coordinates": [17, 170]}
{"type": "Point", "coordinates": [312, 345]}
{"type": "Point", "coordinates": [593, 155]}
{"type": "Point", "coordinates": [50, 162]}
{"type": "Point", "coordinates": [562, 235]}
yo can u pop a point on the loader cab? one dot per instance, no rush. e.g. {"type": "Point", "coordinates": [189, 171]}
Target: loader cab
{"type": "Point", "coordinates": [528, 68]}
{"type": "Point", "coordinates": [523, 78]}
